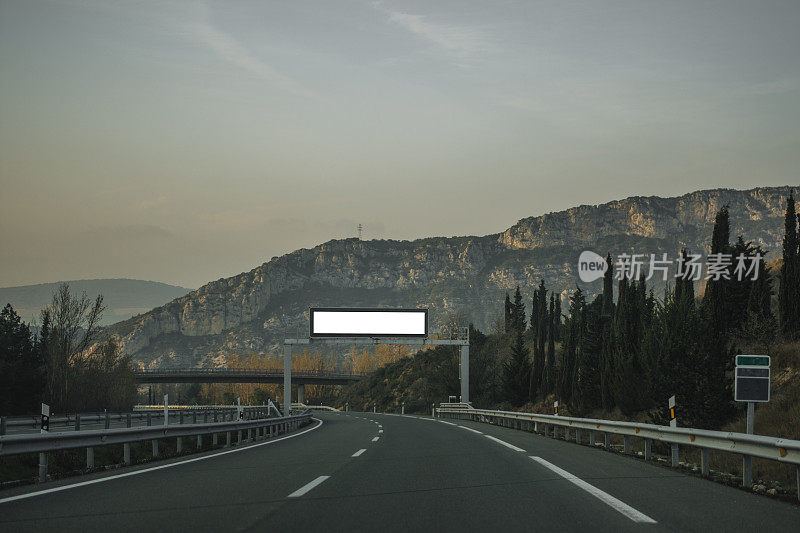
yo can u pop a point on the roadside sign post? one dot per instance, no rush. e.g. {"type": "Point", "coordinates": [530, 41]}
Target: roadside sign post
{"type": "Point", "coordinates": [751, 386]}
{"type": "Point", "coordinates": [555, 407]}
{"type": "Point", "coordinates": [673, 423]}
{"type": "Point", "coordinates": [166, 409]}
{"type": "Point", "coordinates": [239, 409]}
{"type": "Point", "coordinates": [45, 427]}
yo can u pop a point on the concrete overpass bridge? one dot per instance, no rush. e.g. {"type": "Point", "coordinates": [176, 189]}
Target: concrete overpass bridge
{"type": "Point", "coordinates": [221, 375]}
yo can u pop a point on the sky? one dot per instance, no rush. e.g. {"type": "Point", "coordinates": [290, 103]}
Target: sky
{"type": "Point", "coordinates": [183, 142]}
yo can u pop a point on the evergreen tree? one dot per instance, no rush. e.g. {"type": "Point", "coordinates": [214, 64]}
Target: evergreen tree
{"type": "Point", "coordinates": [518, 312]}
{"type": "Point", "coordinates": [549, 376]}
{"type": "Point", "coordinates": [628, 386]}
{"type": "Point", "coordinates": [789, 290]}
{"type": "Point", "coordinates": [574, 328]}
{"type": "Point", "coordinates": [517, 369]}
{"type": "Point", "coordinates": [507, 317]}
{"type": "Point", "coordinates": [586, 374]}
{"type": "Point", "coordinates": [606, 365]}
{"type": "Point", "coordinates": [557, 317]}
{"type": "Point", "coordinates": [540, 323]}
{"type": "Point", "coordinates": [718, 298]}
{"type": "Point", "coordinates": [21, 366]}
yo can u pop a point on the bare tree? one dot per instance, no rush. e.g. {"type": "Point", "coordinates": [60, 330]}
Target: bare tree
{"type": "Point", "coordinates": [74, 322]}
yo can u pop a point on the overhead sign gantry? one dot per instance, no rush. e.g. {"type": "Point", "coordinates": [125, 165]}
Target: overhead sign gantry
{"type": "Point", "coordinates": [372, 326]}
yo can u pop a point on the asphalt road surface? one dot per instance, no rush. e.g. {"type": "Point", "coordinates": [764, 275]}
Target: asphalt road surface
{"type": "Point", "coordinates": [373, 472]}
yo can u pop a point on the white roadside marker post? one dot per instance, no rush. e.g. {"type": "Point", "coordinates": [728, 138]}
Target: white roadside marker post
{"type": "Point", "coordinates": [673, 423]}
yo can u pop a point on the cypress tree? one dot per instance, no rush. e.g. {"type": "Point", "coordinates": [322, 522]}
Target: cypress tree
{"type": "Point", "coordinates": [547, 383]}
{"type": "Point", "coordinates": [557, 318]}
{"type": "Point", "coordinates": [789, 291]}
{"type": "Point", "coordinates": [574, 327]}
{"type": "Point", "coordinates": [507, 317]}
{"type": "Point", "coordinates": [519, 312]}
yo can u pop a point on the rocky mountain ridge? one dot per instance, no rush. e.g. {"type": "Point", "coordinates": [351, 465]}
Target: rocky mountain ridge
{"type": "Point", "coordinates": [254, 311]}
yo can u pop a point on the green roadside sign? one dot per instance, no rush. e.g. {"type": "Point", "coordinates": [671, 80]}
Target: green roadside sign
{"type": "Point", "coordinates": [752, 360]}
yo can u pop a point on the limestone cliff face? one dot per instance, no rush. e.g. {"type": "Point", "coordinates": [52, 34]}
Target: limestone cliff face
{"type": "Point", "coordinates": [254, 311]}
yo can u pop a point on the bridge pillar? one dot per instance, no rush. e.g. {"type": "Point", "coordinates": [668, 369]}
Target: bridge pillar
{"type": "Point", "coordinates": [287, 379]}
{"type": "Point", "coordinates": [465, 373]}
{"type": "Point", "coordinates": [301, 394]}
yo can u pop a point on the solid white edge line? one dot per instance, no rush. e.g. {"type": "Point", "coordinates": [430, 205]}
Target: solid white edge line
{"type": "Point", "coordinates": [470, 429]}
{"type": "Point", "coordinates": [307, 487]}
{"type": "Point", "coordinates": [606, 498]}
{"type": "Point", "coordinates": [359, 452]}
{"type": "Point", "coordinates": [151, 469]}
{"type": "Point", "coordinates": [504, 443]}
{"type": "Point", "coordinates": [375, 439]}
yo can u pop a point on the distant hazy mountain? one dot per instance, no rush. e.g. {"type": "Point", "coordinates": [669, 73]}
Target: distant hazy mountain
{"type": "Point", "coordinates": [124, 298]}
{"type": "Point", "coordinates": [254, 311]}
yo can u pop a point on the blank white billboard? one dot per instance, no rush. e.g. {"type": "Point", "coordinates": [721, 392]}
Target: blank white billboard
{"type": "Point", "coordinates": [358, 322]}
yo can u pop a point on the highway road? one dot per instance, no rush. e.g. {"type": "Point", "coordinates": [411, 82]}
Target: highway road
{"type": "Point", "coordinates": [374, 472]}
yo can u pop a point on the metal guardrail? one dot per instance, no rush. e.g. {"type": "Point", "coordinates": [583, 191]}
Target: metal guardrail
{"type": "Point", "coordinates": [776, 449]}
{"type": "Point", "coordinates": [275, 372]}
{"type": "Point", "coordinates": [149, 413]}
{"type": "Point", "coordinates": [44, 443]}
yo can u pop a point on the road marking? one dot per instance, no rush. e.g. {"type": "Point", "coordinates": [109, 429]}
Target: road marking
{"type": "Point", "coordinates": [470, 429]}
{"type": "Point", "coordinates": [449, 423]}
{"type": "Point", "coordinates": [359, 452]}
{"type": "Point", "coordinates": [160, 467]}
{"type": "Point", "coordinates": [380, 431]}
{"type": "Point", "coordinates": [375, 439]}
{"type": "Point", "coordinates": [606, 498]}
{"type": "Point", "coordinates": [504, 443]}
{"type": "Point", "coordinates": [307, 487]}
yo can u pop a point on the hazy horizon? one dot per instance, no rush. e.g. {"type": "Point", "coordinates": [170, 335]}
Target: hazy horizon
{"type": "Point", "coordinates": [182, 142]}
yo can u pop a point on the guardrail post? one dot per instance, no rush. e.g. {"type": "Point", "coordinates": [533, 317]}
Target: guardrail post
{"type": "Point", "coordinates": [566, 432]}
{"type": "Point", "coordinates": [705, 459]}
{"type": "Point", "coordinates": [108, 420]}
{"type": "Point", "coordinates": [578, 435]}
{"type": "Point", "coordinates": [179, 444]}
{"type": "Point", "coordinates": [155, 448]}
{"type": "Point", "coordinates": [149, 419]}
{"type": "Point", "coordinates": [42, 467]}
{"type": "Point", "coordinates": [607, 441]}
{"type": "Point", "coordinates": [89, 458]}
{"type": "Point", "coordinates": [627, 441]}
{"type": "Point", "coordinates": [228, 440]}
{"type": "Point", "coordinates": [249, 435]}
{"type": "Point", "coordinates": [77, 421]}
{"type": "Point", "coordinates": [239, 440]}
{"type": "Point", "coordinates": [648, 449]}
{"type": "Point", "coordinates": [128, 420]}
{"type": "Point", "coordinates": [592, 440]}
{"type": "Point", "coordinates": [126, 453]}
{"type": "Point", "coordinates": [180, 416]}
{"type": "Point", "coordinates": [675, 461]}
{"type": "Point", "coordinates": [214, 440]}
{"type": "Point", "coordinates": [199, 441]}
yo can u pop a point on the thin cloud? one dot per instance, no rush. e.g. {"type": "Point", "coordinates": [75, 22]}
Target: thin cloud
{"type": "Point", "coordinates": [453, 39]}
{"type": "Point", "coordinates": [147, 204]}
{"type": "Point", "coordinates": [234, 52]}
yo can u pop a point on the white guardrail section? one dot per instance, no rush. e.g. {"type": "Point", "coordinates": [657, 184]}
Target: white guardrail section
{"type": "Point", "coordinates": [776, 449]}
{"type": "Point", "coordinates": [44, 443]}
{"type": "Point", "coordinates": [149, 413]}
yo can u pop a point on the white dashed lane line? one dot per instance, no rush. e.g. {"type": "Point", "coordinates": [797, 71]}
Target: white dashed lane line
{"type": "Point", "coordinates": [504, 443]}
{"type": "Point", "coordinates": [375, 439]}
{"type": "Point", "coordinates": [359, 452]}
{"type": "Point", "coordinates": [307, 487]}
{"type": "Point", "coordinates": [470, 429]}
{"type": "Point", "coordinates": [604, 497]}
